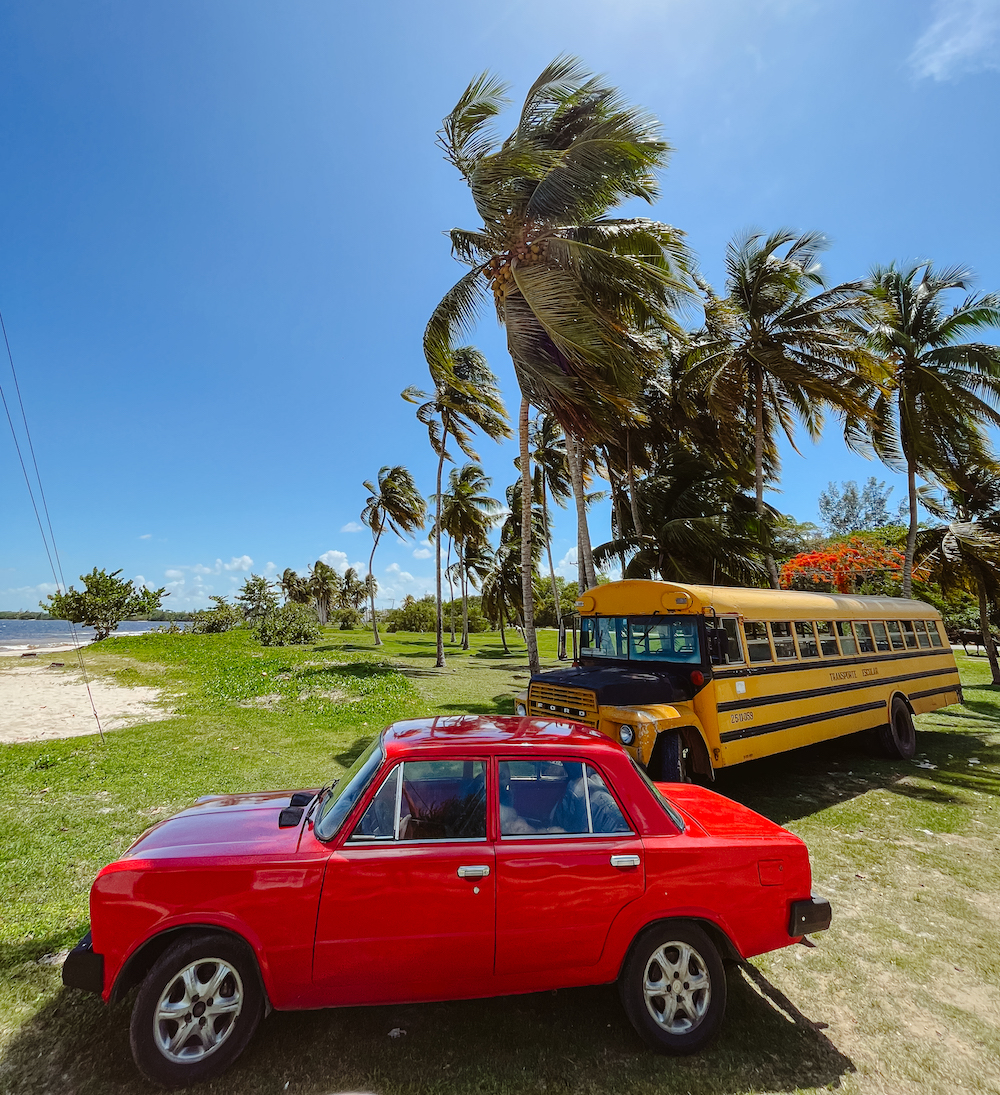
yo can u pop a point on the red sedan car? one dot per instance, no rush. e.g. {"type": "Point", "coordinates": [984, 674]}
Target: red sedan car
{"type": "Point", "coordinates": [484, 856]}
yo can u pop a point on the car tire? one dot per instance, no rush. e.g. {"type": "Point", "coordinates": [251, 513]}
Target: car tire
{"type": "Point", "coordinates": [898, 737]}
{"type": "Point", "coordinates": [196, 1009]}
{"type": "Point", "coordinates": [679, 959]}
{"type": "Point", "coordinates": [668, 765]}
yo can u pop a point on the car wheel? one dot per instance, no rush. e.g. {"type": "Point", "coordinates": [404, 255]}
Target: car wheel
{"type": "Point", "coordinates": [673, 987]}
{"type": "Point", "coordinates": [667, 762]}
{"type": "Point", "coordinates": [898, 737]}
{"type": "Point", "coordinates": [196, 1010]}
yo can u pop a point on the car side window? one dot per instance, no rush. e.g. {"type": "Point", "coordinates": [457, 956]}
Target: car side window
{"type": "Point", "coordinates": [428, 800]}
{"type": "Point", "coordinates": [556, 798]}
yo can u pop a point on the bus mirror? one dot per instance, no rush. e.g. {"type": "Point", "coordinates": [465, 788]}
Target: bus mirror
{"type": "Point", "coordinates": [718, 645]}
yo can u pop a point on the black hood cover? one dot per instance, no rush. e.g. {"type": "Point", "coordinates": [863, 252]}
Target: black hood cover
{"type": "Point", "coordinates": [619, 686]}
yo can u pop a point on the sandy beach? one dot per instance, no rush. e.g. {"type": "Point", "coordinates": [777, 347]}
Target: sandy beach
{"type": "Point", "coordinates": [39, 701]}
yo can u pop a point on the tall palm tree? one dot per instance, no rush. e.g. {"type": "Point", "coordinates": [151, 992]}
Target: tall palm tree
{"type": "Point", "coordinates": [792, 345]}
{"type": "Point", "coordinates": [466, 513]}
{"type": "Point", "coordinates": [552, 480]}
{"type": "Point", "coordinates": [938, 391]}
{"type": "Point", "coordinates": [294, 587]}
{"type": "Point", "coordinates": [324, 586]}
{"type": "Point", "coordinates": [393, 502]}
{"type": "Point", "coordinates": [579, 293]}
{"type": "Point", "coordinates": [466, 394]}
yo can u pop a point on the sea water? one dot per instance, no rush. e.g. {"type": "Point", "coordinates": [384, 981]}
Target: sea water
{"type": "Point", "coordinates": [24, 636]}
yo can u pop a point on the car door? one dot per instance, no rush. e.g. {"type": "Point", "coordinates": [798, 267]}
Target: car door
{"type": "Point", "coordinates": [407, 910]}
{"type": "Point", "coordinates": [567, 861]}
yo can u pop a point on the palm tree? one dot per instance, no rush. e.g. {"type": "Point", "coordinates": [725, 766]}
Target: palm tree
{"type": "Point", "coordinates": [466, 514]}
{"type": "Point", "coordinates": [790, 352]}
{"type": "Point", "coordinates": [324, 588]}
{"type": "Point", "coordinates": [552, 479]}
{"type": "Point", "coordinates": [579, 293]}
{"type": "Point", "coordinates": [466, 394]}
{"type": "Point", "coordinates": [937, 392]}
{"type": "Point", "coordinates": [393, 503]}
{"type": "Point", "coordinates": [294, 587]}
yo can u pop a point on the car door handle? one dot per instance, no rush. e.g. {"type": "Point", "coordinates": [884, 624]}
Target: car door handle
{"type": "Point", "coordinates": [480, 871]}
{"type": "Point", "coordinates": [623, 861]}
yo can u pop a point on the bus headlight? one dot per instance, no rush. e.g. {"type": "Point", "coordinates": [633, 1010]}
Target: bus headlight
{"type": "Point", "coordinates": [626, 735]}
{"type": "Point", "coordinates": [520, 709]}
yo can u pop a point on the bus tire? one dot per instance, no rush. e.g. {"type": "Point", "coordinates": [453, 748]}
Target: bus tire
{"type": "Point", "coordinates": [666, 764]}
{"type": "Point", "coordinates": [898, 737]}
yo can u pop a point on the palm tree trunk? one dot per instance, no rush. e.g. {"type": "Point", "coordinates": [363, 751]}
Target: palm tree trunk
{"type": "Point", "coordinates": [561, 652]}
{"type": "Point", "coordinates": [464, 576]}
{"type": "Point", "coordinates": [758, 465]}
{"type": "Point", "coordinates": [451, 591]}
{"type": "Point", "coordinates": [439, 615]}
{"type": "Point", "coordinates": [503, 634]}
{"type": "Point", "coordinates": [371, 587]}
{"type": "Point", "coordinates": [527, 569]}
{"type": "Point", "coordinates": [586, 558]}
{"type": "Point", "coordinates": [632, 500]}
{"type": "Point", "coordinates": [911, 535]}
{"type": "Point", "coordinates": [984, 624]}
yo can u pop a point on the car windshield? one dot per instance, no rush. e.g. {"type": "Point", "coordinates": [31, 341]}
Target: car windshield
{"type": "Point", "coordinates": [337, 804]}
{"type": "Point", "coordinates": [641, 638]}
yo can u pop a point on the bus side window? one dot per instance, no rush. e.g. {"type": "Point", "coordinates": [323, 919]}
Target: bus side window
{"type": "Point", "coordinates": [758, 647]}
{"type": "Point", "coordinates": [881, 636]}
{"type": "Point", "coordinates": [808, 647]}
{"type": "Point", "coordinates": [932, 630]}
{"type": "Point", "coordinates": [908, 633]}
{"type": "Point", "coordinates": [847, 643]}
{"type": "Point", "coordinates": [864, 633]}
{"type": "Point", "coordinates": [827, 637]}
{"type": "Point", "coordinates": [892, 626]}
{"type": "Point", "coordinates": [784, 644]}
{"type": "Point", "coordinates": [734, 654]}
{"type": "Point", "coordinates": [922, 637]}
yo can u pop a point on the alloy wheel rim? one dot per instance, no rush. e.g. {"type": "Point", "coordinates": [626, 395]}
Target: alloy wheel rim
{"type": "Point", "coordinates": [677, 987]}
{"type": "Point", "coordinates": [197, 1010]}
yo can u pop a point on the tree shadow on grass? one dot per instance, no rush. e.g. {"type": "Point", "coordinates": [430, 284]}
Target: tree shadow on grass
{"type": "Point", "coordinates": [342, 669]}
{"type": "Point", "coordinates": [570, 1040]}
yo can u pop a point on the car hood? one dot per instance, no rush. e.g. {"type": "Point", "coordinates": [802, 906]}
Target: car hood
{"type": "Point", "coordinates": [221, 825]}
{"type": "Point", "coordinates": [719, 816]}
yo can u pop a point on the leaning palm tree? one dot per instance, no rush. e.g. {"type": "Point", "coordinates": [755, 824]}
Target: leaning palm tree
{"type": "Point", "coordinates": [395, 503]}
{"type": "Point", "coordinates": [552, 474]}
{"type": "Point", "coordinates": [790, 344]}
{"type": "Point", "coordinates": [466, 513]}
{"type": "Point", "coordinates": [466, 394]}
{"type": "Point", "coordinates": [938, 391]}
{"type": "Point", "coordinates": [579, 293]}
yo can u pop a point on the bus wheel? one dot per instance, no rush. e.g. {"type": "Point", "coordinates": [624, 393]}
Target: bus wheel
{"type": "Point", "coordinates": [667, 763]}
{"type": "Point", "coordinates": [898, 737]}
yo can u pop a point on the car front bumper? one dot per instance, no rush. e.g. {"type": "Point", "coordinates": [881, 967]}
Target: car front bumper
{"type": "Point", "coordinates": [84, 968]}
{"type": "Point", "coordinates": [811, 915]}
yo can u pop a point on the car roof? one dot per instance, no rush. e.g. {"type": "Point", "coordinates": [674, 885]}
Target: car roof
{"type": "Point", "coordinates": [494, 733]}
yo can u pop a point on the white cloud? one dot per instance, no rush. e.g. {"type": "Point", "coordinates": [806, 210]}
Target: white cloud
{"type": "Point", "coordinates": [270, 568]}
{"type": "Point", "coordinates": [173, 574]}
{"type": "Point", "coordinates": [27, 596]}
{"type": "Point", "coordinates": [352, 526]}
{"type": "Point", "coordinates": [244, 562]}
{"type": "Point", "coordinates": [963, 38]}
{"type": "Point", "coordinates": [146, 536]}
{"type": "Point", "coordinates": [567, 566]}
{"type": "Point", "coordinates": [422, 553]}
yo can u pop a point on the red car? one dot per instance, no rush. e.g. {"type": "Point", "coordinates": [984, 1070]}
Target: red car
{"type": "Point", "coordinates": [459, 857]}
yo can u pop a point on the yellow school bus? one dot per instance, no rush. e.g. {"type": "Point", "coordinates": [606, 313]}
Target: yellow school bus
{"type": "Point", "coordinates": [691, 679]}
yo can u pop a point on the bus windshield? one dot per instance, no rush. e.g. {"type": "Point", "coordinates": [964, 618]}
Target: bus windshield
{"type": "Point", "coordinates": [640, 638]}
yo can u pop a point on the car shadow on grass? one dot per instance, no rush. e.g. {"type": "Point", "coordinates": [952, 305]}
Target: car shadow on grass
{"type": "Point", "coordinates": [570, 1040]}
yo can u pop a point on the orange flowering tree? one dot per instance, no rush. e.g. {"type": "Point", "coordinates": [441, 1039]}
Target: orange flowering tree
{"type": "Point", "coordinates": [841, 568]}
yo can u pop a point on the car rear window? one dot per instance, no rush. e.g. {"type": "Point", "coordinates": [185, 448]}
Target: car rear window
{"type": "Point", "coordinates": [668, 807]}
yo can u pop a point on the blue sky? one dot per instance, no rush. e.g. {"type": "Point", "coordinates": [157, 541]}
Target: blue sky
{"type": "Point", "coordinates": [221, 237]}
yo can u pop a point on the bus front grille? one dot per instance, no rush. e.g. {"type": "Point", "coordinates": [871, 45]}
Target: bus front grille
{"type": "Point", "coordinates": [548, 700]}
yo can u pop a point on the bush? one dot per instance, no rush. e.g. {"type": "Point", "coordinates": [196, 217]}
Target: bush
{"type": "Point", "coordinates": [413, 615]}
{"type": "Point", "coordinates": [291, 625]}
{"type": "Point", "coordinates": [224, 617]}
{"type": "Point", "coordinates": [347, 619]}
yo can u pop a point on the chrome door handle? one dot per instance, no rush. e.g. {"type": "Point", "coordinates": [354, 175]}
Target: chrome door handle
{"type": "Point", "coordinates": [623, 861]}
{"type": "Point", "coordinates": [473, 872]}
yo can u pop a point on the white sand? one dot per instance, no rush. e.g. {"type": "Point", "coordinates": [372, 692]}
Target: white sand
{"type": "Point", "coordinates": [38, 703]}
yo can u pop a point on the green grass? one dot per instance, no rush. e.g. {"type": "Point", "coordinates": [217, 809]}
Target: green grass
{"type": "Point", "coordinates": [899, 996]}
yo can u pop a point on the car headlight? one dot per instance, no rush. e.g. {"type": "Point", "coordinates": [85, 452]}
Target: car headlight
{"type": "Point", "coordinates": [626, 734]}
{"type": "Point", "coordinates": [520, 709]}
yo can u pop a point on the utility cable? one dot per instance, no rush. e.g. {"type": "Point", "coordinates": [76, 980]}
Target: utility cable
{"type": "Point", "coordinates": [56, 566]}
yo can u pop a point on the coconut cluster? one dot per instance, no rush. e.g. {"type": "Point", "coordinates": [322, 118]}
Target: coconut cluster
{"type": "Point", "coordinates": [498, 269]}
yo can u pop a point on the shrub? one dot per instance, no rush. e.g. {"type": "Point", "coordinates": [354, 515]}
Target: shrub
{"type": "Point", "coordinates": [224, 617]}
{"type": "Point", "coordinates": [290, 625]}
